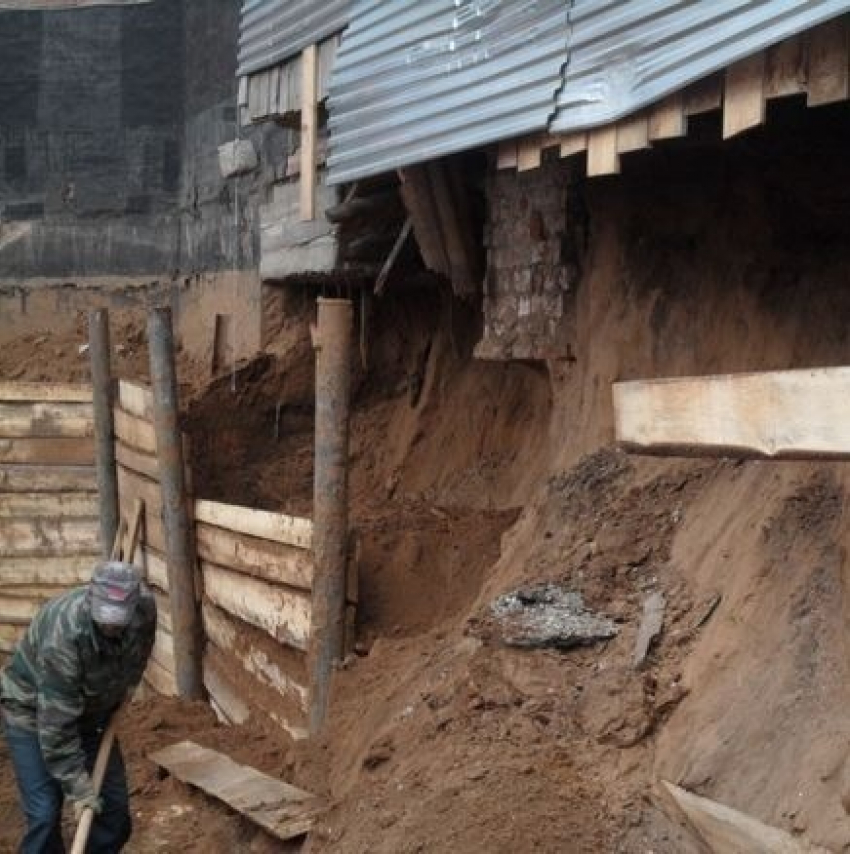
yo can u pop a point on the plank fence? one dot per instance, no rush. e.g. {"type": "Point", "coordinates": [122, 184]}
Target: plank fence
{"type": "Point", "coordinates": [49, 530]}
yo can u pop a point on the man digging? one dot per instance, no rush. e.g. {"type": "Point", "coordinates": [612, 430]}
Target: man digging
{"type": "Point", "coordinates": [80, 658]}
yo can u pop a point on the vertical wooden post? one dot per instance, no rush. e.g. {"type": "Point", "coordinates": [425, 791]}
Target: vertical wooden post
{"type": "Point", "coordinates": [309, 121]}
{"type": "Point", "coordinates": [175, 511]}
{"type": "Point", "coordinates": [104, 427]}
{"type": "Point", "coordinates": [332, 341]}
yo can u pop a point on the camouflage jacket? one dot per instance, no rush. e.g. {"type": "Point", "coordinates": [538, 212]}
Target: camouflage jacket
{"type": "Point", "coordinates": [65, 677]}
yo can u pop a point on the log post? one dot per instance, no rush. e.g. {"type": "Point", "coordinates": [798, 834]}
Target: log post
{"type": "Point", "coordinates": [332, 342]}
{"type": "Point", "coordinates": [104, 427]}
{"type": "Point", "coordinates": [175, 510]}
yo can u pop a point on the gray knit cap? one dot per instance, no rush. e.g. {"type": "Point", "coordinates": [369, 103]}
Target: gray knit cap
{"type": "Point", "coordinates": [114, 592]}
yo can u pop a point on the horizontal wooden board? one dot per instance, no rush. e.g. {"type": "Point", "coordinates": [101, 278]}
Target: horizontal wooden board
{"type": "Point", "coordinates": [134, 432]}
{"type": "Point", "coordinates": [29, 420]}
{"type": "Point", "coordinates": [34, 592]}
{"type": "Point", "coordinates": [9, 636]}
{"type": "Point", "coordinates": [37, 504]}
{"type": "Point", "coordinates": [48, 451]}
{"type": "Point", "coordinates": [800, 413]}
{"type": "Point", "coordinates": [273, 667]}
{"type": "Point", "coordinates": [224, 693]}
{"type": "Point", "coordinates": [281, 809]}
{"type": "Point", "coordinates": [66, 569]}
{"type": "Point", "coordinates": [18, 612]}
{"type": "Point", "coordinates": [160, 679]}
{"type": "Point", "coordinates": [136, 399]}
{"type": "Point", "coordinates": [49, 537]}
{"type": "Point", "coordinates": [29, 391]}
{"type": "Point", "coordinates": [132, 486]}
{"type": "Point", "coordinates": [153, 566]}
{"type": "Point", "coordinates": [283, 613]}
{"type": "Point", "coordinates": [34, 478]}
{"type": "Point", "coordinates": [289, 530]}
{"type": "Point", "coordinates": [137, 461]}
{"type": "Point", "coordinates": [264, 559]}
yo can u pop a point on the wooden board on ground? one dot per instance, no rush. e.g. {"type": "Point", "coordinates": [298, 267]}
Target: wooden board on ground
{"type": "Point", "coordinates": [283, 810]}
{"type": "Point", "coordinates": [69, 570]}
{"type": "Point", "coordinates": [264, 559]}
{"type": "Point", "coordinates": [41, 479]}
{"type": "Point", "coordinates": [35, 504]}
{"type": "Point", "coordinates": [48, 451]}
{"type": "Point", "coordinates": [727, 831]}
{"type": "Point", "coordinates": [29, 391]}
{"type": "Point", "coordinates": [289, 530]}
{"type": "Point", "coordinates": [284, 614]}
{"type": "Point", "coordinates": [790, 414]}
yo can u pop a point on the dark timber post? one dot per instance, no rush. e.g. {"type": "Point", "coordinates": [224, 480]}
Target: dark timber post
{"type": "Point", "coordinates": [175, 512]}
{"type": "Point", "coordinates": [332, 340]}
{"type": "Point", "coordinates": [104, 427]}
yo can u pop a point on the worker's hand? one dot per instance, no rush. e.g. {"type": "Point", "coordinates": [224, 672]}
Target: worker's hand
{"type": "Point", "coordinates": [92, 802]}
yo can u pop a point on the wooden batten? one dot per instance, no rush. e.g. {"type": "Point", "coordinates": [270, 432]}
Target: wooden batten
{"type": "Point", "coordinates": [134, 432]}
{"type": "Point", "coordinates": [785, 69]}
{"type": "Point", "coordinates": [744, 100]}
{"type": "Point", "coordinates": [572, 143]}
{"type": "Point", "coordinates": [602, 156]}
{"type": "Point", "coordinates": [289, 530]}
{"type": "Point", "coordinates": [704, 96]}
{"type": "Point", "coordinates": [47, 451]}
{"type": "Point", "coordinates": [790, 414]}
{"type": "Point", "coordinates": [309, 127]}
{"type": "Point", "coordinates": [48, 479]}
{"type": "Point", "coordinates": [265, 559]}
{"type": "Point", "coordinates": [40, 392]}
{"type": "Point", "coordinates": [284, 614]}
{"type": "Point", "coordinates": [529, 152]}
{"type": "Point", "coordinates": [633, 133]}
{"type": "Point", "coordinates": [828, 70]}
{"type": "Point", "coordinates": [667, 118]}
{"type": "Point", "coordinates": [38, 504]}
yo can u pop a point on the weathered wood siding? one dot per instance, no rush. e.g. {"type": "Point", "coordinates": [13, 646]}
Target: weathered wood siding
{"type": "Point", "coordinates": [49, 531]}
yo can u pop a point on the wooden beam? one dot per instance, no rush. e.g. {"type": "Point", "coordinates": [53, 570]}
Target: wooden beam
{"type": "Point", "coordinates": [790, 414]}
{"type": "Point", "coordinates": [829, 71]}
{"type": "Point", "coordinates": [289, 530]}
{"type": "Point", "coordinates": [744, 104]}
{"type": "Point", "coordinates": [135, 399]}
{"type": "Point", "coordinates": [281, 809]}
{"type": "Point", "coordinates": [268, 662]}
{"type": "Point", "coordinates": [284, 614]}
{"type": "Point", "coordinates": [47, 479]}
{"type": "Point", "coordinates": [39, 504]}
{"type": "Point", "coordinates": [573, 143]}
{"type": "Point", "coordinates": [67, 570]}
{"type": "Point", "coordinates": [602, 157]}
{"type": "Point", "coordinates": [41, 392]}
{"type": "Point", "coordinates": [309, 125]}
{"type": "Point", "coordinates": [529, 153]}
{"type": "Point", "coordinates": [633, 133]}
{"type": "Point", "coordinates": [265, 559]}
{"type": "Point", "coordinates": [48, 452]}
{"type": "Point", "coordinates": [46, 537]}
{"type": "Point", "coordinates": [667, 118]}
{"type": "Point", "coordinates": [727, 831]}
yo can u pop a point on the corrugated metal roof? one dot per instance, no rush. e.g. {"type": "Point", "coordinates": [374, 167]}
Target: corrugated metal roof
{"type": "Point", "coordinates": [416, 80]}
{"type": "Point", "coordinates": [623, 56]}
{"type": "Point", "coordinates": [273, 30]}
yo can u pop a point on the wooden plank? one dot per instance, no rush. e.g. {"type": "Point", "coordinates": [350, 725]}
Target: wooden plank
{"type": "Point", "coordinates": [48, 452]}
{"type": "Point", "coordinates": [506, 158]}
{"type": "Point", "coordinates": [726, 831]}
{"type": "Point", "coordinates": [573, 143]}
{"type": "Point", "coordinates": [829, 71]}
{"type": "Point", "coordinates": [136, 399]}
{"type": "Point", "coordinates": [137, 461]}
{"type": "Point", "coordinates": [135, 432]}
{"type": "Point", "coordinates": [281, 809]}
{"type": "Point", "coordinates": [602, 157]}
{"type": "Point", "coordinates": [633, 133]}
{"type": "Point", "coordinates": [132, 486]}
{"type": "Point", "coordinates": [792, 414]}
{"type": "Point", "coordinates": [223, 693]}
{"type": "Point", "coordinates": [66, 570]}
{"type": "Point", "coordinates": [263, 661]}
{"type": "Point", "coordinates": [667, 118]}
{"type": "Point", "coordinates": [785, 68]}
{"type": "Point", "coordinates": [419, 202]}
{"type": "Point", "coordinates": [160, 679]}
{"type": "Point", "coordinates": [281, 612]}
{"type": "Point", "coordinates": [47, 479]}
{"type": "Point", "coordinates": [529, 153]}
{"type": "Point", "coordinates": [29, 420]}
{"type": "Point", "coordinates": [153, 566]}
{"type": "Point", "coordinates": [15, 611]}
{"type": "Point", "coordinates": [744, 104]}
{"type": "Point", "coordinates": [289, 530]}
{"type": "Point", "coordinates": [163, 610]}
{"type": "Point", "coordinates": [34, 592]}
{"type": "Point", "coordinates": [163, 649]}
{"type": "Point", "coordinates": [9, 636]}
{"type": "Point", "coordinates": [309, 125]}
{"type": "Point", "coordinates": [49, 537]}
{"type": "Point", "coordinates": [265, 559]}
{"type": "Point", "coordinates": [704, 96]}
{"type": "Point", "coordinates": [36, 504]}
{"type": "Point", "coordinates": [35, 392]}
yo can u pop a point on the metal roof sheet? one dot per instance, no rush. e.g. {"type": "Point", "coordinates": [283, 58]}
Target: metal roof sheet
{"type": "Point", "coordinates": [416, 80]}
{"type": "Point", "coordinates": [625, 55]}
{"type": "Point", "coordinates": [273, 30]}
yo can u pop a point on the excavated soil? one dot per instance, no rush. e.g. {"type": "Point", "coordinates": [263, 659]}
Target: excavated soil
{"type": "Point", "coordinates": [469, 480]}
